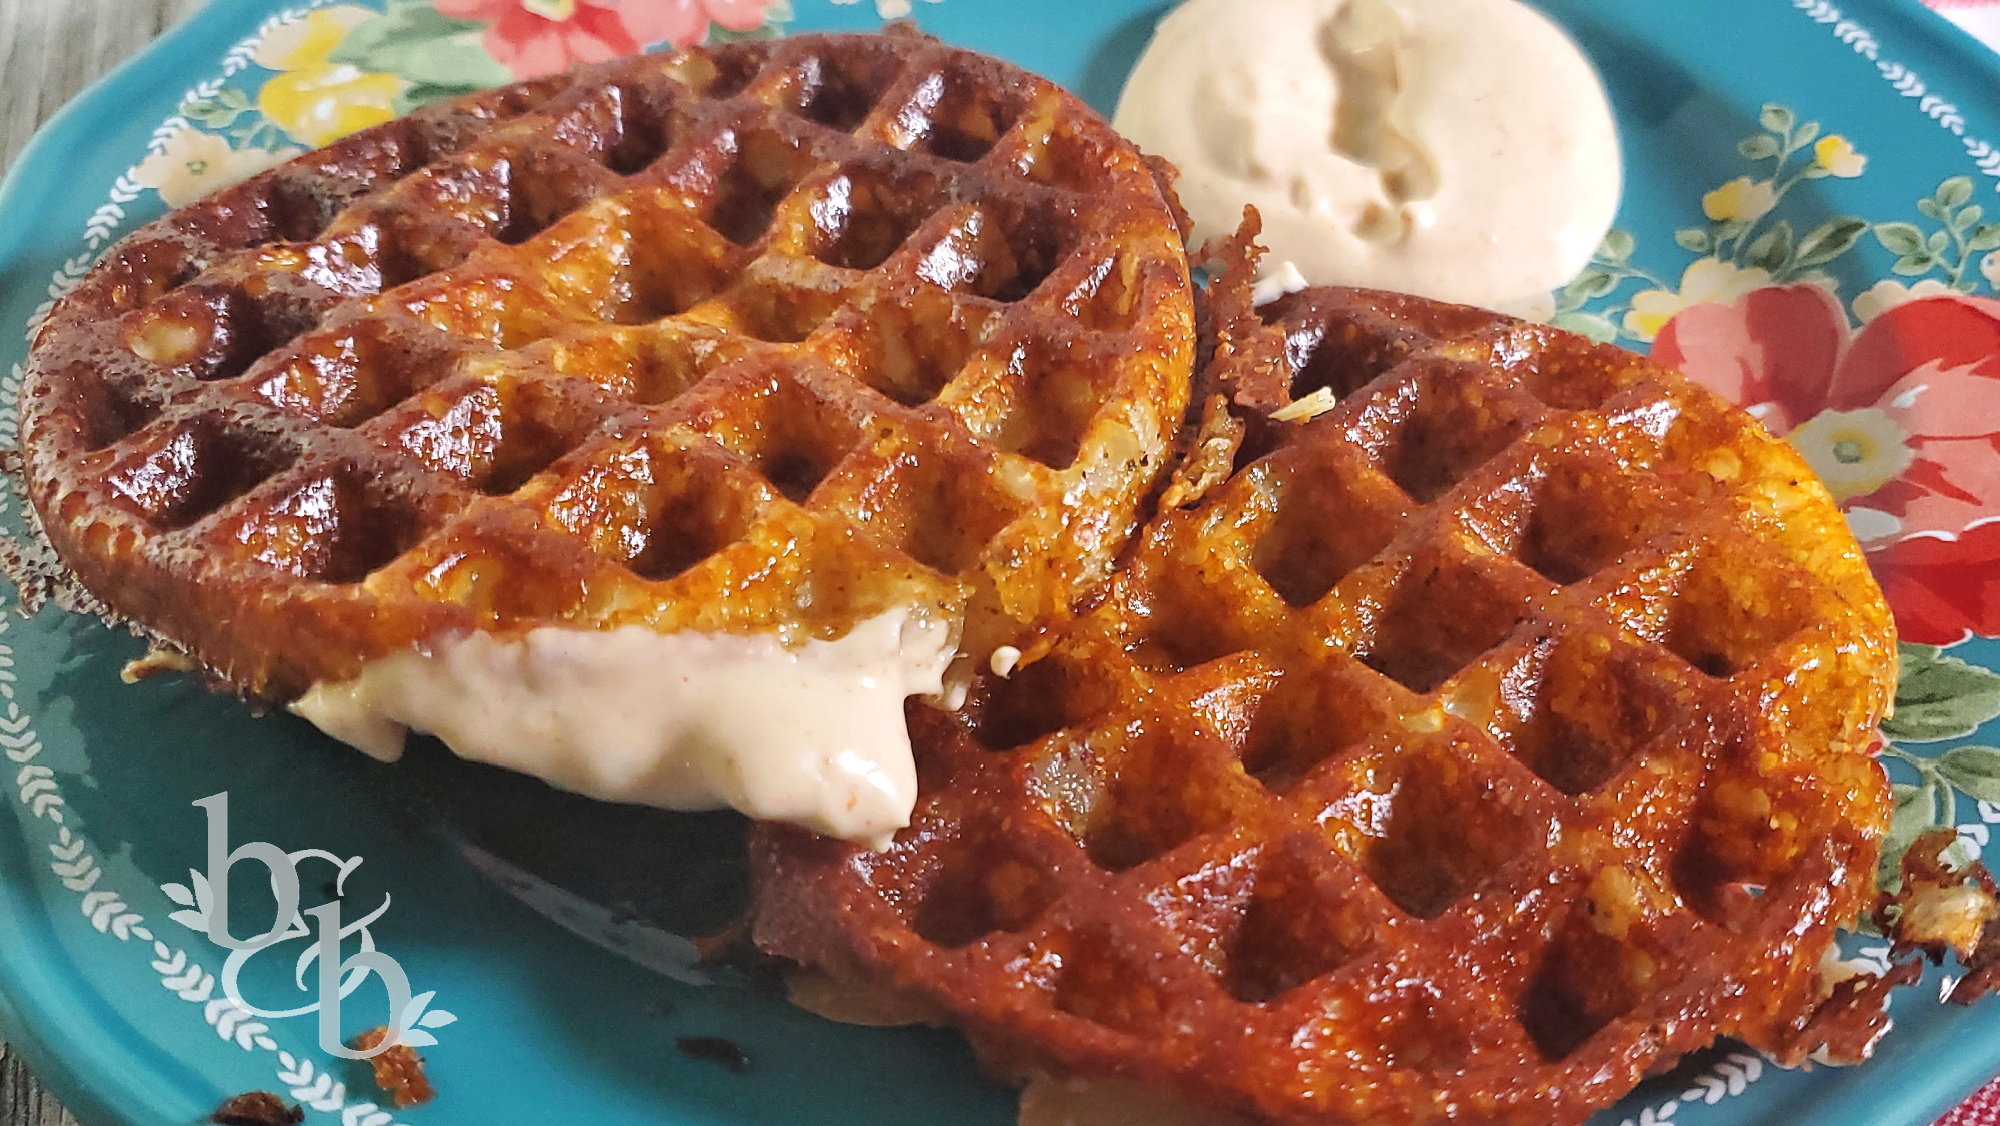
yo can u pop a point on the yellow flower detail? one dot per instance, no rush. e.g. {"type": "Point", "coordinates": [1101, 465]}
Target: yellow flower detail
{"type": "Point", "coordinates": [1888, 293]}
{"type": "Point", "coordinates": [1707, 279]}
{"type": "Point", "coordinates": [1854, 452]}
{"type": "Point", "coordinates": [557, 10]}
{"type": "Point", "coordinates": [1742, 199]}
{"type": "Point", "coordinates": [191, 164]}
{"type": "Point", "coordinates": [1834, 154]}
{"type": "Point", "coordinates": [313, 98]}
{"type": "Point", "coordinates": [308, 42]}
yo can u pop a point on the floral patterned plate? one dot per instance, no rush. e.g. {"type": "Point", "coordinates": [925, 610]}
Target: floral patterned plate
{"type": "Point", "coordinates": [1806, 228]}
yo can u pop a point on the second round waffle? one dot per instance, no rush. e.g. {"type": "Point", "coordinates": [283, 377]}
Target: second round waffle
{"type": "Point", "coordinates": [1471, 751]}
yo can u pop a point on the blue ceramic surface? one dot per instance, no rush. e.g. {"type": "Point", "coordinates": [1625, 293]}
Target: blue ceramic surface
{"type": "Point", "coordinates": [544, 924]}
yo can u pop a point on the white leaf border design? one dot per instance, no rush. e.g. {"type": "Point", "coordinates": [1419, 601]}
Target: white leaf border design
{"type": "Point", "coordinates": [1904, 81]}
{"type": "Point", "coordinates": [1733, 1075]}
{"type": "Point", "coordinates": [36, 786]}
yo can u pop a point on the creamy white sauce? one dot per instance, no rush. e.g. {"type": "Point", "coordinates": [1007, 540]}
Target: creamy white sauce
{"type": "Point", "coordinates": [1003, 661]}
{"type": "Point", "coordinates": [1458, 149]}
{"type": "Point", "coordinates": [1277, 282]}
{"type": "Point", "coordinates": [812, 735]}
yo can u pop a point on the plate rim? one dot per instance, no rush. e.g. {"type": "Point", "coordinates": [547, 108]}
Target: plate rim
{"type": "Point", "coordinates": [97, 1078]}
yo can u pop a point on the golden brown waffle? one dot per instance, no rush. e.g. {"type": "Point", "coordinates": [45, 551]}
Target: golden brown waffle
{"type": "Point", "coordinates": [1473, 750]}
{"type": "Point", "coordinates": [767, 337]}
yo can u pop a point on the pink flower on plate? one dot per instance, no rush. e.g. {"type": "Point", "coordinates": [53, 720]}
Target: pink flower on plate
{"type": "Point", "coordinates": [537, 37]}
{"type": "Point", "coordinates": [1901, 420]}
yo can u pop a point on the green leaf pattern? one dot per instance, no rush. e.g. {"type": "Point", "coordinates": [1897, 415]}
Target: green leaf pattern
{"type": "Point", "coordinates": [1959, 242]}
{"type": "Point", "coordinates": [438, 56]}
{"type": "Point", "coordinates": [231, 113]}
{"type": "Point", "coordinates": [1940, 698]}
{"type": "Point", "coordinates": [1753, 223]}
{"type": "Point", "coordinates": [435, 55]}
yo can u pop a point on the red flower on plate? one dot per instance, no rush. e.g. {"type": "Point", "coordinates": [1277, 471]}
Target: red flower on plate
{"type": "Point", "coordinates": [1901, 420]}
{"type": "Point", "coordinates": [537, 37]}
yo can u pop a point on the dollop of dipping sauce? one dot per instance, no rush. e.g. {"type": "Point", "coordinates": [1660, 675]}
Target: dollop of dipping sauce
{"type": "Point", "coordinates": [1461, 150]}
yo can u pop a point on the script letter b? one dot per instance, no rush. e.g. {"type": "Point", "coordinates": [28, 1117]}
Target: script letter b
{"type": "Point", "coordinates": [284, 878]}
{"type": "Point", "coordinates": [330, 970]}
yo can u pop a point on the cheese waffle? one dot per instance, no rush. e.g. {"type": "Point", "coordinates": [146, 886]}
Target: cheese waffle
{"type": "Point", "coordinates": [1473, 749]}
{"type": "Point", "coordinates": [765, 338]}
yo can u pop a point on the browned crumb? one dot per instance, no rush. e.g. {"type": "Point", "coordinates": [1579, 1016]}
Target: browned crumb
{"type": "Point", "coordinates": [724, 944]}
{"type": "Point", "coordinates": [257, 1108]}
{"type": "Point", "coordinates": [1211, 458]}
{"type": "Point", "coordinates": [1937, 910]}
{"type": "Point", "coordinates": [715, 1050]}
{"type": "Point", "coordinates": [159, 659]}
{"type": "Point", "coordinates": [1982, 970]}
{"type": "Point", "coordinates": [1940, 909]}
{"type": "Point", "coordinates": [1261, 382]}
{"type": "Point", "coordinates": [399, 1071]}
{"type": "Point", "coordinates": [1847, 1025]}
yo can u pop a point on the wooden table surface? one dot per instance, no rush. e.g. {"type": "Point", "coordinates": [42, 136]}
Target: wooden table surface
{"type": "Point", "coordinates": [49, 50]}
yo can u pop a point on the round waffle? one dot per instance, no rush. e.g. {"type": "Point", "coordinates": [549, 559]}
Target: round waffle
{"type": "Point", "coordinates": [1470, 751]}
{"type": "Point", "coordinates": [769, 337]}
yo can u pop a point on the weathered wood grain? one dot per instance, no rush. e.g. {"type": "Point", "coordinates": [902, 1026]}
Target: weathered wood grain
{"type": "Point", "coordinates": [22, 1100]}
{"type": "Point", "coordinates": [49, 50]}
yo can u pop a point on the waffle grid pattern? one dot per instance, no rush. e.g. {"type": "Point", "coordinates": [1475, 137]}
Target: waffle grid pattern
{"type": "Point", "coordinates": [768, 337]}
{"type": "Point", "coordinates": [1479, 747]}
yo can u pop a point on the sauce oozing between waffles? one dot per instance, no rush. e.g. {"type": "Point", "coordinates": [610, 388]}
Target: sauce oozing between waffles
{"type": "Point", "coordinates": [812, 735]}
{"type": "Point", "coordinates": [1461, 150]}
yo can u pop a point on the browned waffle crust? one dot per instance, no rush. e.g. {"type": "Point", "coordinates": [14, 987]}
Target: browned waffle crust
{"type": "Point", "coordinates": [1475, 749]}
{"type": "Point", "coordinates": [764, 337]}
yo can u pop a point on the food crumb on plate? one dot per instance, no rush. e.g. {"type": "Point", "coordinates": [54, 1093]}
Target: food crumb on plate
{"type": "Point", "coordinates": [257, 1108]}
{"type": "Point", "coordinates": [399, 1071]}
{"type": "Point", "coordinates": [715, 1049]}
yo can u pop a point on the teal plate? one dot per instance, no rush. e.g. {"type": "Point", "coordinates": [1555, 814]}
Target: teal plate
{"type": "Point", "coordinates": [1803, 229]}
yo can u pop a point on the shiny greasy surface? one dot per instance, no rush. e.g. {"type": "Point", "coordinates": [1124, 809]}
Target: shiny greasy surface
{"type": "Point", "coordinates": [763, 337]}
{"type": "Point", "coordinates": [1477, 748]}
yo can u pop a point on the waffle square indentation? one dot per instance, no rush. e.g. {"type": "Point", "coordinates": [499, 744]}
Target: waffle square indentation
{"type": "Point", "coordinates": [1333, 515]}
{"type": "Point", "coordinates": [1133, 792]}
{"type": "Point", "coordinates": [1439, 614]}
{"type": "Point", "coordinates": [954, 116]}
{"type": "Point", "coordinates": [984, 883]}
{"type": "Point", "coordinates": [1426, 819]}
{"type": "Point", "coordinates": [1574, 709]}
{"type": "Point", "coordinates": [1442, 425]}
{"type": "Point", "coordinates": [334, 527]}
{"type": "Point", "coordinates": [1312, 715]}
{"type": "Point", "coordinates": [1307, 915]}
{"type": "Point", "coordinates": [656, 506]}
{"type": "Point", "coordinates": [839, 91]}
{"type": "Point", "coordinates": [177, 473]}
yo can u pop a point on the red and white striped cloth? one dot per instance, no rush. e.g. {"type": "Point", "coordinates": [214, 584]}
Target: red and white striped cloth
{"type": "Point", "coordinates": [1982, 1109]}
{"type": "Point", "coordinates": [1982, 19]}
